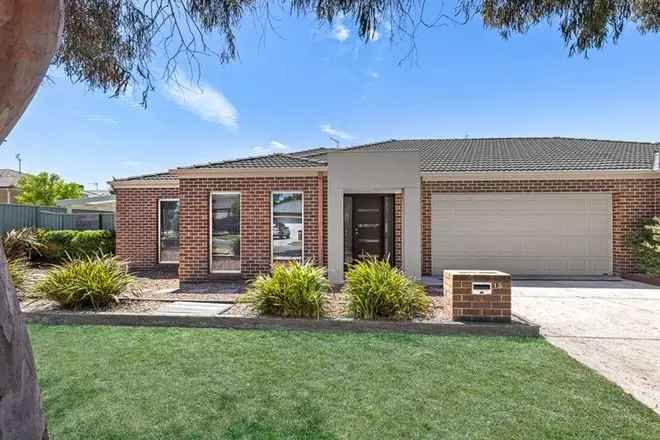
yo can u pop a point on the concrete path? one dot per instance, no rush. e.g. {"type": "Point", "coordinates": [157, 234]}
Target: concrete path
{"type": "Point", "coordinates": [612, 327]}
{"type": "Point", "coordinates": [183, 308]}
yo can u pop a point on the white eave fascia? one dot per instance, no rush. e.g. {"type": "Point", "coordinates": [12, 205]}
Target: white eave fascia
{"type": "Point", "coordinates": [210, 173]}
{"type": "Point", "coordinates": [542, 175]}
{"type": "Point", "coordinates": [137, 184]}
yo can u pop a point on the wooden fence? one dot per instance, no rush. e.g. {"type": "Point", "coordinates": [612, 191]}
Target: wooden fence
{"type": "Point", "coordinates": [47, 217]}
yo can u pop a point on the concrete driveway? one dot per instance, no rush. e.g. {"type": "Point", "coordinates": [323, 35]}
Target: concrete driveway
{"type": "Point", "coordinates": [612, 327]}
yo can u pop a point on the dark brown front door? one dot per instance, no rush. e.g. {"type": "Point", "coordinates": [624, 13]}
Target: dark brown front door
{"type": "Point", "coordinates": [368, 226]}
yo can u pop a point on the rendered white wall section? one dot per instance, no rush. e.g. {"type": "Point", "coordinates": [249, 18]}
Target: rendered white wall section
{"type": "Point", "coordinates": [352, 172]}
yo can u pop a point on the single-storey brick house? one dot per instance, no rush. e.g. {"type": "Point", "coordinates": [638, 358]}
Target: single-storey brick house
{"type": "Point", "coordinates": [524, 206]}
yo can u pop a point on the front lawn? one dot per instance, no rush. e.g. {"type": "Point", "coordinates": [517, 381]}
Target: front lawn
{"type": "Point", "coordinates": [138, 383]}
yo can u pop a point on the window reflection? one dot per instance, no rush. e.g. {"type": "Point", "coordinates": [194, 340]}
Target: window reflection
{"type": "Point", "coordinates": [226, 232]}
{"type": "Point", "coordinates": [169, 231]}
{"type": "Point", "coordinates": [287, 226]}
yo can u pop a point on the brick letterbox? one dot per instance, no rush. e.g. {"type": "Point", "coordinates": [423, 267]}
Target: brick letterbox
{"type": "Point", "coordinates": [478, 295]}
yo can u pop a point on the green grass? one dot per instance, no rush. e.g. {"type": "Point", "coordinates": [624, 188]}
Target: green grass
{"type": "Point", "coordinates": [135, 383]}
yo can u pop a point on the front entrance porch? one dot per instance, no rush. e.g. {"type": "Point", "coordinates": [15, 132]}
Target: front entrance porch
{"type": "Point", "coordinates": [368, 226]}
{"type": "Point", "coordinates": [361, 193]}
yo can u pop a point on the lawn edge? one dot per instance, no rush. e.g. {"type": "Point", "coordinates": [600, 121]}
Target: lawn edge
{"type": "Point", "coordinates": [269, 323]}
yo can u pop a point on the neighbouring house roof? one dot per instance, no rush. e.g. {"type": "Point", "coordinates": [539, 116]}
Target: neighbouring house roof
{"type": "Point", "coordinates": [465, 155]}
{"type": "Point", "coordinates": [9, 178]}
{"type": "Point", "coordinates": [95, 193]}
{"type": "Point", "coordinates": [87, 201]}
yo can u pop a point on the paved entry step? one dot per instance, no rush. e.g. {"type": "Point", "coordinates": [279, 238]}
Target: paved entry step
{"type": "Point", "coordinates": [193, 309]}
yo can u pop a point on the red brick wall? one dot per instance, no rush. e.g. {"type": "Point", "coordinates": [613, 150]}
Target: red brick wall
{"type": "Point", "coordinates": [464, 306]}
{"type": "Point", "coordinates": [136, 223]}
{"type": "Point", "coordinates": [325, 219]}
{"type": "Point", "coordinates": [255, 221]}
{"type": "Point", "coordinates": [631, 200]}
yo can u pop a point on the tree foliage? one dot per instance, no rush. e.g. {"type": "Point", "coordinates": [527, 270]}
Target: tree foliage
{"type": "Point", "coordinates": [645, 243]}
{"type": "Point", "coordinates": [111, 44]}
{"type": "Point", "coordinates": [46, 189]}
{"type": "Point", "coordinates": [583, 24]}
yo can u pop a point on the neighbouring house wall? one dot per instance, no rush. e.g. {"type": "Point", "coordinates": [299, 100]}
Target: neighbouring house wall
{"type": "Point", "coordinates": [136, 224]}
{"type": "Point", "coordinates": [632, 199]}
{"type": "Point", "coordinates": [256, 226]}
{"type": "Point", "coordinates": [8, 195]}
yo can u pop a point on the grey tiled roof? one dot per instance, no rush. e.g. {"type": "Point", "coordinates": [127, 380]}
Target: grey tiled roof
{"type": "Point", "coordinates": [277, 160]}
{"type": "Point", "coordinates": [320, 153]}
{"type": "Point", "coordinates": [157, 176]}
{"type": "Point", "coordinates": [485, 154]}
{"type": "Point", "coordinates": [523, 154]}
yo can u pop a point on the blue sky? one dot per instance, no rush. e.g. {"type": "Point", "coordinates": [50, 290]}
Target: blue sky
{"type": "Point", "coordinates": [307, 82]}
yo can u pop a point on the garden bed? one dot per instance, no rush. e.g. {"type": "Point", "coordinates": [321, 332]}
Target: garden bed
{"type": "Point", "coordinates": [162, 287]}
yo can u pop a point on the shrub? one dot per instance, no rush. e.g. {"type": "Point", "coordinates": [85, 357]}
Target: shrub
{"type": "Point", "coordinates": [62, 245]}
{"type": "Point", "coordinates": [375, 290]}
{"type": "Point", "coordinates": [293, 289]}
{"type": "Point", "coordinates": [645, 243]}
{"type": "Point", "coordinates": [18, 268]}
{"type": "Point", "coordinates": [90, 281]}
{"type": "Point", "coordinates": [22, 243]}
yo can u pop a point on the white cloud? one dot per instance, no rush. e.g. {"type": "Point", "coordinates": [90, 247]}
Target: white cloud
{"type": "Point", "coordinates": [203, 100]}
{"type": "Point", "coordinates": [373, 75]}
{"type": "Point", "coordinates": [331, 131]}
{"type": "Point", "coordinates": [273, 147]}
{"type": "Point", "coordinates": [340, 32]}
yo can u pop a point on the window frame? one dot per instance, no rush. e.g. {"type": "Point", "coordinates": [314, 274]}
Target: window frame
{"type": "Point", "coordinates": [240, 231]}
{"type": "Point", "coordinates": [160, 212]}
{"type": "Point", "coordinates": [302, 207]}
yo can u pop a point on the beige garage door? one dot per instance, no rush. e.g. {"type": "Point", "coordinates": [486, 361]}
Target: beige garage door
{"type": "Point", "coordinates": [523, 233]}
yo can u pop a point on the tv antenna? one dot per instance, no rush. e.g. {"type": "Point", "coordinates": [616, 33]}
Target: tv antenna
{"type": "Point", "coordinates": [335, 140]}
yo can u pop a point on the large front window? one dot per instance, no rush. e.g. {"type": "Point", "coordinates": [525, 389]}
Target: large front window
{"type": "Point", "coordinates": [225, 232]}
{"type": "Point", "coordinates": [168, 230]}
{"type": "Point", "coordinates": [287, 226]}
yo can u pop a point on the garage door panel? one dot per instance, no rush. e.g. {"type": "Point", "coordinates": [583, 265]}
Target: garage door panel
{"type": "Point", "coordinates": [539, 233]}
{"type": "Point", "coordinates": [524, 223]}
{"type": "Point", "coordinates": [520, 266]}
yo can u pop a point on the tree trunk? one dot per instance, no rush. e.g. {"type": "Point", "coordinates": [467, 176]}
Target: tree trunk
{"type": "Point", "coordinates": [21, 412]}
{"type": "Point", "coordinates": [29, 33]}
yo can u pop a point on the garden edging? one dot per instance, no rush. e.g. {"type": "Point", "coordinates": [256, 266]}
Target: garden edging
{"type": "Point", "coordinates": [268, 323]}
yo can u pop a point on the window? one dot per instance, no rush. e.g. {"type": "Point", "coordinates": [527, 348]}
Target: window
{"type": "Point", "coordinates": [287, 226]}
{"type": "Point", "coordinates": [225, 240]}
{"type": "Point", "coordinates": [168, 230]}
